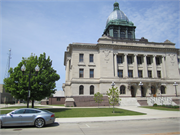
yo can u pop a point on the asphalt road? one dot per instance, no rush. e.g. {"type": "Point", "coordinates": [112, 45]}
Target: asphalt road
{"type": "Point", "coordinates": [142, 127]}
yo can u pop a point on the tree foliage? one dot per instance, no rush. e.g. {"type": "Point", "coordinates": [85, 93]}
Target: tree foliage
{"type": "Point", "coordinates": [113, 96]}
{"type": "Point", "coordinates": [98, 97]}
{"type": "Point", "coordinates": [41, 85]}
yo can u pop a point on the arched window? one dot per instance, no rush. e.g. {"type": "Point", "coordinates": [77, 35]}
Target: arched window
{"type": "Point", "coordinates": [81, 90]}
{"type": "Point", "coordinates": [163, 90]}
{"type": "Point", "coordinates": [122, 90]}
{"type": "Point", "coordinates": [91, 90]}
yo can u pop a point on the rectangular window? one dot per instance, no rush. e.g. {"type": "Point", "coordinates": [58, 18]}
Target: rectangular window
{"type": "Point", "coordinates": [119, 59]}
{"type": "Point", "coordinates": [91, 58]}
{"type": "Point", "coordinates": [91, 73]}
{"type": "Point", "coordinates": [148, 60]}
{"type": "Point", "coordinates": [140, 75]}
{"type": "Point", "coordinates": [159, 74]}
{"type": "Point", "coordinates": [149, 73]}
{"type": "Point", "coordinates": [129, 58]}
{"type": "Point", "coordinates": [157, 60]}
{"type": "Point", "coordinates": [58, 99]}
{"type": "Point", "coordinates": [139, 60]}
{"type": "Point", "coordinates": [81, 57]}
{"type": "Point", "coordinates": [120, 73]}
{"type": "Point", "coordinates": [130, 73]}
{"type": "Point", "coordinates": [81, 73]}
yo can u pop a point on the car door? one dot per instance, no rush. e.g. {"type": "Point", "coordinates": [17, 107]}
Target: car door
{"type": "Point", "coordinates": [14, 118]}
{"type": "Point", "coordinates": [28, 117]}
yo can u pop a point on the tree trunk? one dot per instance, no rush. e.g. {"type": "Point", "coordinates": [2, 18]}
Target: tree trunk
{"type": "Point", "coordinates": [32, 103]}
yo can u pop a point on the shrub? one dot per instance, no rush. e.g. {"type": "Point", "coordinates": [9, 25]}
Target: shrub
{"type": "Point", "coordinates": [155, 104]}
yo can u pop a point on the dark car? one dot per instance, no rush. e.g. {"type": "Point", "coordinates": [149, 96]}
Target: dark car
{"type": "Point", "coordinates": [27, 116]}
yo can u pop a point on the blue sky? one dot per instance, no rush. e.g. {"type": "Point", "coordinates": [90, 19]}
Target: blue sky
{"type": "Point", "coordinates": [37, 26]}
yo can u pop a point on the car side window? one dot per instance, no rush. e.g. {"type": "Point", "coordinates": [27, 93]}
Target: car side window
{"type": "Point", "coordinates": [31, 111]}
{"type": "Point", "coordinates": [21, 111]}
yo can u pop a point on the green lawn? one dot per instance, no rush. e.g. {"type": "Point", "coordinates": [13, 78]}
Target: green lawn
{"type": "Point", "coordinates": [162, 108]}
{"type": "Point", "coordinates": [86, 112]}
{"type": "Point", "coordinates": [91, 112]}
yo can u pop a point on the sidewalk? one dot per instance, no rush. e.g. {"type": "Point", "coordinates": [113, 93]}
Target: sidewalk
{"type": "Point", "coordinates": [151, 114]}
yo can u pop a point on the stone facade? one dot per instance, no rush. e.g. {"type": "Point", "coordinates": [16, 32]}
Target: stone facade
{"type": "Point", "coordinates": [156, 62]}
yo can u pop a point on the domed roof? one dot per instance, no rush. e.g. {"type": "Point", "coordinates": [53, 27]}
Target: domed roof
{"type": "Point", "coordinates": [117, 14]}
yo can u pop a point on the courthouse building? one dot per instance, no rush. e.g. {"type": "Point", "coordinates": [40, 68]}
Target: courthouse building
{"type": "Point", "coordinates": [139, 68]}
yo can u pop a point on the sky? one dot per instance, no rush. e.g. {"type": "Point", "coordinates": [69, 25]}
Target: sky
{"type": "Point", "coordinates": [38, 26]}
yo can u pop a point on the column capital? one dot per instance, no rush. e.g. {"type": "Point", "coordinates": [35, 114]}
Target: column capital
{"type": "Point", "coordinates": [154, 55]}
{"type": "Point", "coordinates": [163, 56]}
{"type": "Point", "coordinates": [135, 54]}
{"type": "Point", "coordinates": [115, 53]}
{"type": "Point", "coordinates": [145, 55]}
{"type": "Point", "coordinates": [126, 54]}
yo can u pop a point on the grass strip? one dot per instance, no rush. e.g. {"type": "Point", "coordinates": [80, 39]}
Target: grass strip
{"type": "Point", "coordinates": [87, 112]}
{"type": "Point", "coordinates": [90, 112]}
{"type": "Point", "coordinates": [18, 107]}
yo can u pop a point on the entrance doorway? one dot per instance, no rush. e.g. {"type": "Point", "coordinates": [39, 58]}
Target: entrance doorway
{"type": "Point", "coordinates": [153, 91]}
{"type": "Point", "coordinates": [143, 93]}
{"type": "Point", "coordinates": [133, 92]}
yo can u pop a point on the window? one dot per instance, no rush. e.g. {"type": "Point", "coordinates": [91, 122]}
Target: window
{"type": "Point", "coordinates": [157, 60]}
{"type": "Point", "coordinates": [163, 90]}
{"type": "Point", "coordinates": [119, 59]}
{"type": "Point", "coordinates": [159, 74]}
{"type": "Point", "coordinates": [115, 34]}
{"type": "Point", "coordinates": [139, 60]}
{"type": "Point", "coordinates": [129, 35]}
{"type": "Point", "coordinates": [122, 90]}
{"type": "Point", "coordinates": [20, 111]}
{"type": "Point", "coordinates": [91, 90]}
{"type": "Point", "coordinates": [58, 99]}
{"type": "Point", "coordinates": [129, 58]}
{"type": "Point", "coordinates": [122, 34]}
{"type": "Point", "coordinates": [81, 73]}
{"type": "Point", "coordinates": [91, 58]}
{"type": "Point", "coordinates": [130, 73]}
{"type": "Point", "coordinates": [153, 90]}
{"type": "Point", "coordinates": [81, 90]}
{"type": "Point", "coordinates": [120, 73]}
{"type": "Point", "coordinates": [81, 57]}
{"type": "Point", "coordinates": [140, 75]}
{"type": "Point", "coordinates": [91, 73]}
{"type": "Point", "coordinates": [149, 73]}
{"type": "Point", "coordinates": [149, 60]}
{"type": "Point", "coordinates": [32, 111]}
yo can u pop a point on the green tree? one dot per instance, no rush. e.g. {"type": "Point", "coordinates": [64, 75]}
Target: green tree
{"type": "Point", "coordinates": [98, 97]}
{"type": "Point", "coordinates": [113, 96]}
{"type": "Point", "coordinates": [41, 85]}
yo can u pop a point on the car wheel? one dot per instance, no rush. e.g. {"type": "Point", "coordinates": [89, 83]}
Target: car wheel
{"type": "Point", "coordinates": [39, 123]}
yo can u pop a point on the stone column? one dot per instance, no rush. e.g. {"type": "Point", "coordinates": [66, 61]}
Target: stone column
{"type": "Point", "coordinates": [154, 67]}
{"type": "Point", "coordinates": [145, 74]}
{"type": "Point", "coordinates": [119, 31]}
{"type": "Point", "coordinates": [125, 71]}
{"type": "Point", "coordinates": [163, 67]}
{"type": "Point", "coordinates": [67, 70]}
{"type": "Point", "coordinates": [115, 65]}
{"type": "Point", "coordinates": [135, 66]}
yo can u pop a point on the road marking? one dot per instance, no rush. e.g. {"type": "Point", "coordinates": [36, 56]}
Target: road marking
{"type": "Point", "coordinates": [87, 125]}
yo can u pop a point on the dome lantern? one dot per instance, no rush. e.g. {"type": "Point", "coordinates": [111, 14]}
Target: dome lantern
{"type": "Point", "coordinates": [118, 25]}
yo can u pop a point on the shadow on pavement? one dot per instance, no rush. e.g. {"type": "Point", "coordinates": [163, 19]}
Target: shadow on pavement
{"type": "Point", "coordinates": [18, 128]}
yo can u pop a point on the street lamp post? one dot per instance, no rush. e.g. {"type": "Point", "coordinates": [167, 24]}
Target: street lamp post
{"type": "Point", "coordinates": [141, 84]}
{"type": "Point", "coordinates": [113, 84]}
{"type": "Point", "coordinates": [23, 69]}
{"type": "Point", "coordinates": [175, 84]}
